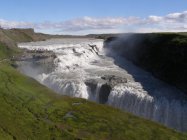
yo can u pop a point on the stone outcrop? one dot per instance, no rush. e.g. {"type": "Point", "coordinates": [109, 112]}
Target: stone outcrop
{"type": "Point", "coordinates": [36, 56]}
{"type": "Point", "coordinates": [36, 59]}
{"type": "Point", "coordinates": [106, 82]}
{"type": "Point", "coordinates": [94, 48]}
{"type": "Point", "coordinates": [113, 80]}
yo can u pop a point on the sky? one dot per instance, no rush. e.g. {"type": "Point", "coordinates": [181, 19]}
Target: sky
{"type": "Point", "coordinates": [94, 16]}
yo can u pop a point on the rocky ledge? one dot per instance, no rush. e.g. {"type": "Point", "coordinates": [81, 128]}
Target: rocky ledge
{"type": "Point", "coordinates": [106, 82]}
{"type": "Point", "coordinates": [41, 60]}
{"type": "Point", "coordinates": [36, 55]}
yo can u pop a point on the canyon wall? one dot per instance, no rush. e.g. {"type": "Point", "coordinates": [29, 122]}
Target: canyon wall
{"type": "Point", "coordinates": [162, 54]}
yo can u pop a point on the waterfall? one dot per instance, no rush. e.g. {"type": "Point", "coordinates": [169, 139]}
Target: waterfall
{"type": "Point", "coordinates": [63, 86]}
{"type": "Point", "coordinates": [97, 92]}
{"type": "Point", "coordinates": [81, 63]}
{"type": "Point", "coordinates": [131, 98]}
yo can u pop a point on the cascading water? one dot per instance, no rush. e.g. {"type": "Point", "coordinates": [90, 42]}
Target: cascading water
{"type": "Point", "coordinates": [81, 63]}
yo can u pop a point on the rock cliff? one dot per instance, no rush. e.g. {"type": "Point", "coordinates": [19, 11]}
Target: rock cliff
{"type": "Point", "coordinates": [162, 54]}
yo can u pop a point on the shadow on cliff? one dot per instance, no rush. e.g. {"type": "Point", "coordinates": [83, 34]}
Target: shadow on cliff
{"type": "Point", "coordinates": [137, 55]}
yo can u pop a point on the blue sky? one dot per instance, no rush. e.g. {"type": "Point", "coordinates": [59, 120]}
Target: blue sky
{"type": "Point", "coordinates": [94, 16]}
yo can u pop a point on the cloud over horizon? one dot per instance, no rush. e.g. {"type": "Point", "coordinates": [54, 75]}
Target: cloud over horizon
{"type": "Point", "coordinates": [153, 23]}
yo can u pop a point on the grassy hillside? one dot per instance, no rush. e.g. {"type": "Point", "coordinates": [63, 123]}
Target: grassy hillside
{"type": "Point", "coordinates": [28, 110]}
{"type": "Point", "coordinates": [12, 36]}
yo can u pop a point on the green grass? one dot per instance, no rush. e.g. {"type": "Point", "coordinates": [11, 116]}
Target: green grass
{"type": "Point", "coordinates": [18, 35]}
{"type": "Point", "coordinates": [4, 51]}
{"type": "Point", "coordinates": [8, 52]}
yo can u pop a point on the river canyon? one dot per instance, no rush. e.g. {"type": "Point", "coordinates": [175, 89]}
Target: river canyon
{"type": "Point", "coordinates": [84, 68]}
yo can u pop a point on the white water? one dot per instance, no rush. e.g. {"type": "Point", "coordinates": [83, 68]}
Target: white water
{"type": "Point", "coordinates": [142, 95]}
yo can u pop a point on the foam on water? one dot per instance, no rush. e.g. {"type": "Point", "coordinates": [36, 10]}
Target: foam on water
{"type": "Point", "coordinates": [77, 62]}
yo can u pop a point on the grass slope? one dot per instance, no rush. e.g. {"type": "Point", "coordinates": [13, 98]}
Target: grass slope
{"type": "Point", "coordinates": [28, 110]}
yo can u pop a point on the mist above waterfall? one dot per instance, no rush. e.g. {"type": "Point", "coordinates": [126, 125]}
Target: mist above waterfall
{"type": "Point", "coordinates": [125, 44]}
{"type": "Point", "coordinates": [83, 68]}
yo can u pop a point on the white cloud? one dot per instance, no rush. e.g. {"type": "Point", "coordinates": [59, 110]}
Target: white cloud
{"type": "Point", "coordinates": [176, 17]}
{"type": "Point", "coordinates": [87, 23]}
{"type": "Point", "coordinates": [15, 24]}
{"type": "Point", "coordinates": [170, 22]}
{"type": "Point", "coordinates": [170, 18]}
{"type": "Point", "coordinates": [154, 19]}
